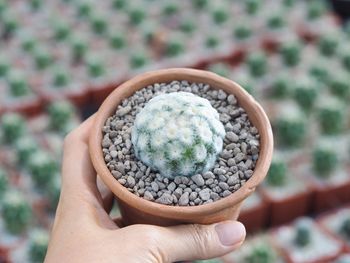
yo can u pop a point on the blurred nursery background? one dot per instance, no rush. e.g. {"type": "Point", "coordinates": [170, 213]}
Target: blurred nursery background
{"type": "Point", "coordinates": [60, 58]}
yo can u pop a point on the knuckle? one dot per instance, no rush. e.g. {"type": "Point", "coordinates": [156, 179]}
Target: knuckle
{"type": "Point", "coordinates": [202, 238]}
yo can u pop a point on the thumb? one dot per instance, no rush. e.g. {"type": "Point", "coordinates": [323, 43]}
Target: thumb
{"type": "Point", "coordinates": [190, 242]}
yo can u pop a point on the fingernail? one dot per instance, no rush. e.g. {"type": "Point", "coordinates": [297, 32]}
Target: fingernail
{"type": "Point", "coordinates": [230, 232]}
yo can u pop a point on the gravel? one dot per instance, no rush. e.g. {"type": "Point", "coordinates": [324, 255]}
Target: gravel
{"type": "Point", "coordinates": [233, 168]}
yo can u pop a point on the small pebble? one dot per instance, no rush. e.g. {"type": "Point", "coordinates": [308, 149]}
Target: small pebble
{"type": "Point", "coordinates": [204, 194]}
{"type": "Point", "coordinates": [198, 179]}
{"type": "Point", "coordinates": [184, 199]}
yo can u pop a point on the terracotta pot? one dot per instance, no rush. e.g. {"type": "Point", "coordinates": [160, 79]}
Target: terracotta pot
{"type": "Point", "coordinates": [138, 210]}
{"type": "Point", "coordinates": [255, 218]}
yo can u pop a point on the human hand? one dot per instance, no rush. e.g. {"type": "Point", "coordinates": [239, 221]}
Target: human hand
{"type": "Point", "coordinates": [84, 232]}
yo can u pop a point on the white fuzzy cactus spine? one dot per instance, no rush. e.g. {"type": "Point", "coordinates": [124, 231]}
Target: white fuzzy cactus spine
{"type": "Point", "coordinates": [178, 134]}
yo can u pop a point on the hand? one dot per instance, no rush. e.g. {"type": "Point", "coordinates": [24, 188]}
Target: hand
{"type": "Point", "coordinates": [84, 232]}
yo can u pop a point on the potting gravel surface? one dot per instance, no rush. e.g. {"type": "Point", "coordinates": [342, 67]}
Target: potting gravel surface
{"type": "Point", "coordinates": [232, 169]}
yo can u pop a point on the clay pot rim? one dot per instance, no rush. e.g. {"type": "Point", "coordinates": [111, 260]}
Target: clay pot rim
{"type": "Point", "coordinates": [167, 75]}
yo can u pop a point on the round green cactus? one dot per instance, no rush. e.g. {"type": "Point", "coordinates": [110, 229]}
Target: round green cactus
{"type": "Point", "coordinates": [261, 253]}
{"type": "Point", "coordinates": [345, 57]}
{"type": "Point", "coordinates": [174, 47]}
{"type": "Point", "coordinates": [79, 48]}
{"type": "Point", "coordinates": [61, 30]}
{"type": "Point", "coordinates": [305, 93]}
{"type": "Point", "coordinates": [42, 58]}
{"type": "Point", "coordinates": [331, 116]}
{"type": "Point", "coordinates": [187, 26]}
{"type": "Point", "coordinates": [212, 41]}
{"type": "Point", "coordinates": [119, 4]}
{"type": "Point", "coordinates": [328, 44]}
{"type": "Point", "coordinates": [281, 86]}
{"type": "Point", "coordinates": [303, 232]}
{"type": "Point", "coordinates": [178, 134]}
{"type": "Point", "coordinates": [252, 6]}
{"type": "Point", "coordinates": [340, 84]}
{"type": "Point", "coordinates": [12, 126]}
{"type": "Point", "coordinates": [84, 8]}
{"type": "Point", "coordinates": [276, 21]}
{"type": "Point", "coordinates": [98, 23]}
{"type": "Point", "coordinates": [60, 77]}
{"type": "Point", "coordinates": [136, 16]}
{"type": "Point", "coordinates": [320, 70]}
{"type": "Point", "coordinates": [220, 15]}
{"type": "Point", "coordinates": [16, 212]}
{"type": "Point", "coordinates": [95, 66]}
{"type": "Point", "coordinates": [200, 4]}
{"type": "Point", "coordinates": [28, 42]}
{"type": "Point", "coordinates": [221, 69]}
{"type": "Point", "coordinates": [324, 160]}
{"type": "Point", "coordinates": [257, 64]}
{"type": "Point", "coordinates": [9, 23]}
{"type": "Point", "coordinates": [4, 66]}
{"type": "Point", "coordinates": [3, 183]}
{"type": "Point", "coordinates": [117, 40]}
{"type": "Point", "coordinates": [25, 147]}
{"type": "Point", "coordinates": [291, 53]}
{"type": "Point", "coordinates": [345, 228]}
{"type": "Point", "coordinates": [60, 113]}
{"type": "Point", "coordinates": [243, 30]}
{"type": "Point", "coordinates": [42, 168]}
{"type": "Point", "coordinates": [290, 127]}
{"type": "Point", "coordinates": [315, 9]}
{"type": "Point", "coordinates": [38, 243]}
{"type": "Point", "coordinates": [170, 8]}
{"type": "Point", "coordinates": [138, 60]}
{"type": "Point", "coordinates": [277, 173]}
{"type": "Point", "coordinates": [18, 84]}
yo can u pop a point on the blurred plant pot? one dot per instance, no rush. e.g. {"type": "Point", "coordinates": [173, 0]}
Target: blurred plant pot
{"type": "Point", "coordinates": [138, 210]}
{"type": "Point", "coordinates": [284, 209]}
{"type": "Point", "coordinates": [254, 217]}
{"type": "Point", "coordinates": [331, 223]}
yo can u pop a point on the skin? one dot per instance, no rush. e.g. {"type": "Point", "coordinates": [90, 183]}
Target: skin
{"type": "Point", "coordinates": [83, 231]}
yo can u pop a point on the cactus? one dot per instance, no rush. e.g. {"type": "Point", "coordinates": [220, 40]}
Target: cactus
{"type": "Point", "coordinates": [328, 44]}
{"type": "Point", "coordinates": [277, 173]}
{"type": "Point", "coordinates": [315, 9]}
{"type": "Point", "coordinates": [79, 48]}
{"type": "Point", "coordinates": [61, 30]}
{"type": "Point", "coordinates": [25, 147]}
{"type": "Point", "coordinates": [42, 168]}
{"type": "Point", "coordinates": [305, 93]}
{"type": "Point", "coordinates": [281, 86]}
{"type": "Point", "coordinates": [303, 232]}
{"type": "Point", "coordinates": [221, 69]}
{"type": "Point", "coordinates": [320, 70]}
{"type": "Point", "coordinates": [136, 16]}
{"type": "Point", "coordinates": [345, 228]}
{"type": "Point", "coordinates": [38, 243]}
{"type": "Point", "coordinates": [16, 212]}
{"type": "Point", "coordinates": [42, 58]}
{"type": "Point", "coordinates": [252, 6]}
{"type": "Point", "coordinates": [3, 183]}
{"type": "Point", "coordinates": [119, 4]}
{"type": "Point", "coordinates": [245, 82]}
{"type": "Point", "coordinates": [138, 60]}
{"type": "Point", "coordinates": [61, 114]}
{"type": "Point", "coordinates": [340, 85]}
{"type": "Point", "coordinates": [60, 77]}
{"type": "Point", "coordinates": [220, 15]}
{"type": "Point", "coordinates": [117, 40]}
{"type": "Point", "coordinates": [257, 64]}
{"type": "Point", "coordinates": [212, 41]}
{"type": "Point", "coordinates": [35, 4]}
{"type": "Point", "coordinates": [4, 66]}
{"type": "Point", "coordinates": [84, 8]}
{"type": "Point", "coordinates": [275, 21]}
{"type": "Point", "coordinates": [12, 126]}
{"type": "Point", "coordinates": [324, 160]}
{"type": "Point", "coordinates": [331, 116]}
{"type": "Point", "coordinates": [345, 57]}
{"type": "Point", "coordinates": [242, 31]}
{"type": "Point", "coordinates": [9, 24]}
{"type": "Point", "coordinates": [95, 66]}
{"type": "Point", "coordinates": [187, 26]}
{"type": "Point", "coordinates": [261, 253]}
{"type": "Point", "coordinates": [28, 42]}
{"type": "Point", "coordinates": [291, 53]}
{"type": "Point", "coordinates": [289, 3]}
{"type": "Point", "coordinates": [184, 137]}
{"type": "Point", "coordinates": [98, 24]}
{"type": "Point", "coordinates": [18, 84]}
{"type": "Point", "coordinates": [170, 9]}
{"type": "Point", "coordinates": [174, 47]}
{"type": "Point", "coordinates": [290, 127]}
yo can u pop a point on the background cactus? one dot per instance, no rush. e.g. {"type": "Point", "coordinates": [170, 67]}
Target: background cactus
{"type": "Point", "coordinates": [43, 168]}
{"type": "Point", "coordinates": [291, 53]}
{"type": "Point", "coordinates": [281, 86]}
{"type": "Point", "coordinates": [60, 114]}
{"type": "Point", "coordinates": [328, 44]}
{"type": "Point", "coordinates": [305, 93]}
{"type": "Point", "coordinates": [38, 242]}
{"type": "Point", "coordinates": [290, 127]}
{"type": "Point", "coordinates": [25, 147]}
{"type": "Point", "coordinates": [345, 228]}
{"type": "Point", "coordinates": [12, 127]}
{"type": "Point", "coordinates": [340, 84]}
{"type": "Point", "coordinates": [16, 212]}
{"type": "Point", "coordinates": [277, 172]}
{"type": "Point", "coordinates": [257, 64]}
{"type": "Point", "coordinates": [3, 183]}
{"type": "Point", "coordinates": [324, 160]}
{"type": "Point", "coordinates": [331, 116]}
{"type": "Point", "coordinates": [184, 137]}
{"type": "Point", "coordinates": [261, 253]}
{"type": "Point", "coordinates": [303, 232]}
